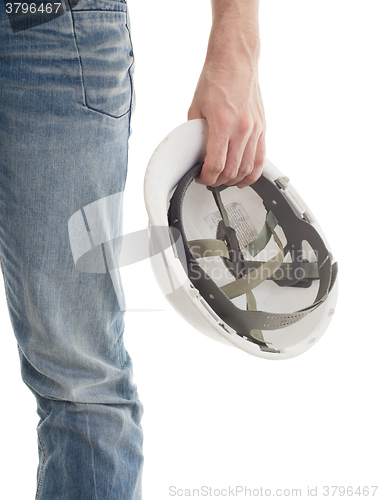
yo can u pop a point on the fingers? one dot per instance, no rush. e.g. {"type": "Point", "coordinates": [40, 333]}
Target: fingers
{"type": "Point", "coordinates": [236, 159]}
{"type": "Point", "coordinates": [214, 163]}
{"type": "Point", "coordinates": [239, 141]}
{"type": "Point", "coordinates": [246, 164]}
{"type": "Point", "coordinates": [258, 164]}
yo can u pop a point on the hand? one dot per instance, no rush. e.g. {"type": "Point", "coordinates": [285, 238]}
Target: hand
{"type": "Point", "coordinates": [228, 97]}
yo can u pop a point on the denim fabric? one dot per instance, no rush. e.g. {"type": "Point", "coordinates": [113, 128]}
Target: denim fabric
{"type": "Point", "coordinates": [65, 105]}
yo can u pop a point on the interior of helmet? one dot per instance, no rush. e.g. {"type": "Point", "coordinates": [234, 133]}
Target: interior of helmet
{"type": "Point", "coordinates": [249, 247]}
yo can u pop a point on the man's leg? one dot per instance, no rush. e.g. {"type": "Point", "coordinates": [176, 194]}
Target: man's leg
{"type": "Point", "coordinates": [65, 98]}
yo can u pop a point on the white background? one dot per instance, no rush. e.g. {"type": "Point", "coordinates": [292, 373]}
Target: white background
{"type": "Point", "coordinates": [215, 416]}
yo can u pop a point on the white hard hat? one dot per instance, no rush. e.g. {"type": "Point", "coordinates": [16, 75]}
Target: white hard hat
{"type": "Point", "coordinates": [247, 267]}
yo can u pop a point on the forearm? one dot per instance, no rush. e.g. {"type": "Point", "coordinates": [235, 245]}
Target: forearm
{"type": "Point", "coordinates": [235, 31]}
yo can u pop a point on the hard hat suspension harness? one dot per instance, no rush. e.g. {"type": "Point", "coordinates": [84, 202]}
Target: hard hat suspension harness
{"type": "Point", "coordinates": [249, 274]}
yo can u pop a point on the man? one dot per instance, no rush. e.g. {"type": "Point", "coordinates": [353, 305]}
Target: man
{"type": "Point", "coordinates": [65, 104]}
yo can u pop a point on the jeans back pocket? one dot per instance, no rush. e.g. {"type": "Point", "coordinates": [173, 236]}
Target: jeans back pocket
{"type": "Point", "coordinates": [106, 60]}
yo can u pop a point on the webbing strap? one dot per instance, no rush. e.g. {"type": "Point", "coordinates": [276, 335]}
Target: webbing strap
{"type": "Point", "coordinates": [257, 275]}
{"type": "Point", "coordinates": [260, 242]}
{"type": "Point", "coordinates": [307, 271]}
{"type": "Point", "coordinates": [208, 248]}
{"type": "Point", "coordinates": [220, 205]}
{"type": "Point", "coordinates": [251, 305]}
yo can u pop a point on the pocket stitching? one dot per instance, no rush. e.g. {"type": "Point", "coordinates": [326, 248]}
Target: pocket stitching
{"type": "Point", "coordinates": [84, 95]}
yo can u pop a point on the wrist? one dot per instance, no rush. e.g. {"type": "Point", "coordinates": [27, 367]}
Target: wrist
{"type": "Point", "coordinates": [232, 47]}
{"type": "Point", "coordinates": [235, 32]}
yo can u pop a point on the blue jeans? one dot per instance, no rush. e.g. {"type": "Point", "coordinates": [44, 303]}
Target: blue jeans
{"type": "Point", "coordinates": [65, 104]}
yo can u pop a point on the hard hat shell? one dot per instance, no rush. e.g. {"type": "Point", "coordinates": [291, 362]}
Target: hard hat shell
{"type": "Point", "coordinates": [247, 209]}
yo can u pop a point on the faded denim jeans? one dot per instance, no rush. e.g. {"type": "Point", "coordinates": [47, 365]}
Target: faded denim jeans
{"type": "Point", "coordinates": [65, 104]}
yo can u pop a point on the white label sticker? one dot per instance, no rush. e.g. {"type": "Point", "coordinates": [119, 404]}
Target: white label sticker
{"type": "Point", "coordinates": [239, 221]}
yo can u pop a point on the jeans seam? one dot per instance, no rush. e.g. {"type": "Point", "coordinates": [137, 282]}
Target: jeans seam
{"type": "Point", "coordinates": [5, 280]}
{"type": "Point", "coordinates": [130, 69]}
{"type": "Point", "coordinates": [79, 60]}
{"type": "Point", "coordinates": [120, 344]}
{"type": "Point", "coordinates": [41, 474]}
